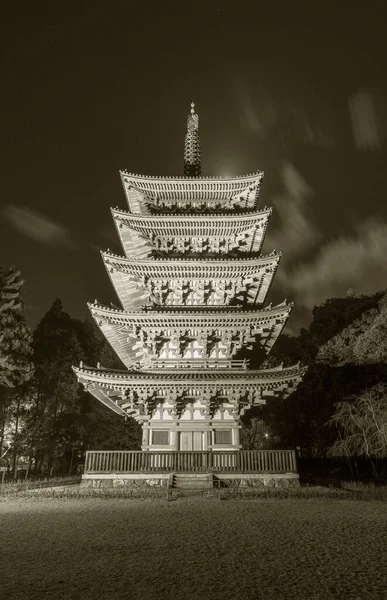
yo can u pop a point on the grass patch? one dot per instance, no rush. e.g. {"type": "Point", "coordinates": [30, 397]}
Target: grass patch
{"type": "Point", "coordinates": [351, 491]}
{"type": "Point", "coordinates": [69, 487]}
{"type": "Point", "coordinates": [11, 488]}
{"type": "Point", "coordinates": [368, 490]}
{"type": "Point", "coordinates": [57, 488]}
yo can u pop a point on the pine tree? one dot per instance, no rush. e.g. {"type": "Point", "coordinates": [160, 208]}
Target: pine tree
{"type": "Point", "coordinates": [15, 337]}
{"type": "Point", "coordinates": [16, 367]}
{"type": "Point", "coordinates": [56, 347]}
{"type": "Point", "coordinates": [63, 421]}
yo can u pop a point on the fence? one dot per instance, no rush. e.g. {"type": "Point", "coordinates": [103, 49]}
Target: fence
{"type": "Point", "coordinates": [245, 461]}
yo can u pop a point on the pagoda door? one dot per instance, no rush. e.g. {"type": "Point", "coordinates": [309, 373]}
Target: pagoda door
{"type": "Point", "coordinates": [191, 440]}
{"type": "Point", "coordinates": [197, 440]}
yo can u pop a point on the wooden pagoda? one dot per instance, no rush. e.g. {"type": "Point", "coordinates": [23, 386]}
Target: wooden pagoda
{"type": "Point", "coordinates": [192, 283]}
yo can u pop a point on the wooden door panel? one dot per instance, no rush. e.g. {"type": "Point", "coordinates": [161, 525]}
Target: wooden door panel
{"type": "Point", "coordinates": [197, 440]}
{"type": "Point", "coordinates": [186, 440]}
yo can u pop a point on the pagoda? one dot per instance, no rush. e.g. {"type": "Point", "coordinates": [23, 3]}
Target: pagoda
{"type": "Point", "coordinates": [192, 282]}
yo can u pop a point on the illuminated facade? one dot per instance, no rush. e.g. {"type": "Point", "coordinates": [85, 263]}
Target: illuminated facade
{"type": "Point", "coordinates": [192, 283]}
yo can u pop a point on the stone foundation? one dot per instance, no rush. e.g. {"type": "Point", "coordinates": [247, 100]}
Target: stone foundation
{"type": "Point", "coordinates": [222, 480]}
{"type": "Point", "coordinates": [256, 480]}
{"type": "Point", "coordinates": [137, 480]}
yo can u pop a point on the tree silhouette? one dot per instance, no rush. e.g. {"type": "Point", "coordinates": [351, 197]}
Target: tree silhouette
{"type": "Point", "coordinates": [16, 367]}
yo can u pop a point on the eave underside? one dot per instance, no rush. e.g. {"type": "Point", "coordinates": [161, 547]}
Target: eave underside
{"type": "Point", "coordinates": [143, 242]}
{"type": "Point", "coordinates": [133, 338]}
{"type": "Point", "coordinates": [182, 283]}
{"type": "Point", "coordinates": [218, 225]}
{"type": "Point", "coordinates": [137, 394]}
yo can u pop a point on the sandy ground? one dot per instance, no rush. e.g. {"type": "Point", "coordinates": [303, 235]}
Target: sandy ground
{"type": "Point", "coordinates": [193, 548]}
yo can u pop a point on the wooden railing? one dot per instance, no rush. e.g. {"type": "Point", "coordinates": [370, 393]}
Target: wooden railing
{"type": "Point", "coordinates": [245, 461]}
{"type": "Point", "coordinates": [198, 363]}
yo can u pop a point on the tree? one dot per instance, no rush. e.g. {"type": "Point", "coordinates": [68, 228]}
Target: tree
{"type": "Point", "coordinates": [15, 337]}
{"type": "Point", "coordinates": [256, 435]}
{"type": "Point", "coordinates": [63, 420]}
{"type": "Point", "coordinates": [58, 342]}
{"type": "Point", "coordinates": [335, 314]}
{"type": "Point", "coordinates": [16, 367]}
{"type": "Point", "coordinates": [361, 425]}
{"type": "Point", "coordinates": [362, 340]}
{"type": "Point", "coordinates": [371, 347]}
{"type": "Point", "coordinates": [108, 358]}
{"type": "Point", "coordinates": [344, 348]}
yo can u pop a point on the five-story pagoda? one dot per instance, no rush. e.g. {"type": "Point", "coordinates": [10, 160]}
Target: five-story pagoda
{"type": "Point", "coordinates": [192, 283]}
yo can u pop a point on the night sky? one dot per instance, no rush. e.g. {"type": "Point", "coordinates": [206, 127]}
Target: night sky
{"type": "Point", "coordinates": [89, 88]}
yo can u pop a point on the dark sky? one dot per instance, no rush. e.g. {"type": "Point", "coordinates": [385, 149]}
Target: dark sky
{"type": "Point", "coordinates": [89, 88]}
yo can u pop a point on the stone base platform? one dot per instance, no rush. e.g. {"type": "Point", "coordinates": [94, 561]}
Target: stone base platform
{"type": "Point", "coordinates": [278, 480]}
{"type": "Point", "coordinates": [165, 480]}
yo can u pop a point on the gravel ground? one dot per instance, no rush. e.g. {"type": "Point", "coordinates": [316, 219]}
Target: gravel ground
{"type": "Point", "coordinates": [193, 548]}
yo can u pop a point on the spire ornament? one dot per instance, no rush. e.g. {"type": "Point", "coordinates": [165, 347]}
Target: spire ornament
{"type": "Point", "coordinates": [192, 162]}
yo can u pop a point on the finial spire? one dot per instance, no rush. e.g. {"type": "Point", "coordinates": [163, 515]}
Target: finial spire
{"type": "Point", "coordinates": [192, 163]}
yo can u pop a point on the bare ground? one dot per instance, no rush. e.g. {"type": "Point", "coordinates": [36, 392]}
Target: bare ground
{"type": "Point", "coordinates": [193, 548]}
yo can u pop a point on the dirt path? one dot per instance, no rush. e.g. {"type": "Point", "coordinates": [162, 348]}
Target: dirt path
{"type": "Point", "coordinates": [193, 549]}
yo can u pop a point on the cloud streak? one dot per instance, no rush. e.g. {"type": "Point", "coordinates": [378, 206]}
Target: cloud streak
{"type": "Point", "coordinates": [357, 262]}
{"type": "Point", "coordinates": [265, 116]}
{"type": "Point", "coordinates": [37, 227]}
{"type": "Point", "coordinates": [367, 125]}
{"type": "Point", "coordinates": [296, 232]}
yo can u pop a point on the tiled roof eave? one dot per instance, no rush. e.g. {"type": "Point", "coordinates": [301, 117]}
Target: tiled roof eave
{"type": "Point", "coordinates": [156, 318]}
{"type": "Point", "coordinates": [154, 262]}
{"type": "Point", "coordinates": [235, 217]}
{"type": "Point", "coordinates": [185, 376]}
{"type": "Point", "coordinates": [181, 312]}
{"type": "Point", "coordinates": [181, 179]}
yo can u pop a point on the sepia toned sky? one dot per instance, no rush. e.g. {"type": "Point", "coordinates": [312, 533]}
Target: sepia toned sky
{"type": "Point", "coordinates": [299, 91]}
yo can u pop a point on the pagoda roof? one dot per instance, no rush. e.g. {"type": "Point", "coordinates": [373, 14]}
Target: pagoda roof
{"type": "Point", "coordinates": [141, 190]}
{"type": "Point", "coordinates": [199, 316]}
{"type": "Point", "coordinates": [191, 268]}
{"type": "Point", "coordinates": [217, 225]}
{"type": "Point", "coordinates": [118, 326]}
{"type": "Point", "coordinates": [119, 378]}
{"type": "Point", "coordinates": [113, 388]}
{"type": "Point", "coordinates": [162, 187]}
{"type": "Point", "coordinates": [129, 277]}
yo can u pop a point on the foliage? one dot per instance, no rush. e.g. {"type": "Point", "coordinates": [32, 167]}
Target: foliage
{"type": "Point", "coordinates": [15, 337]}
{"type": "Point", "coordinates": [256, 435]}
{"type": "Point", "coordinates": [63, 420]}
{"type": "Point", "coordinates": [361, 424]}
{"type": "Point", "coordinates": [363, 341]}
{"type": "Point", "coordinates": [108, 358]}
{"type": "Point", "coordinates": [344, 350]}
{"type": "Point", "coordinates": [335, 314]}
{"type": "Point", "coordinates": [371, 347]}
{"type": "Point", "coordinates": [16, 367]}
{"type": "Point", "coordinates": [67, 489]}
{"type": "Point", "coordinates": [10, 488]}
{"type": "Point", "coordinates": [102, 429]}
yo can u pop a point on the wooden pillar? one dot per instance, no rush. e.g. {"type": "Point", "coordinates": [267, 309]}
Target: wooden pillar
{"type": "Point", "coordinates": [236, 436]}
{"type": "Point", "coordinates": [145, 437]}
{"type": "Point", "coordinates": [173, 439]}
